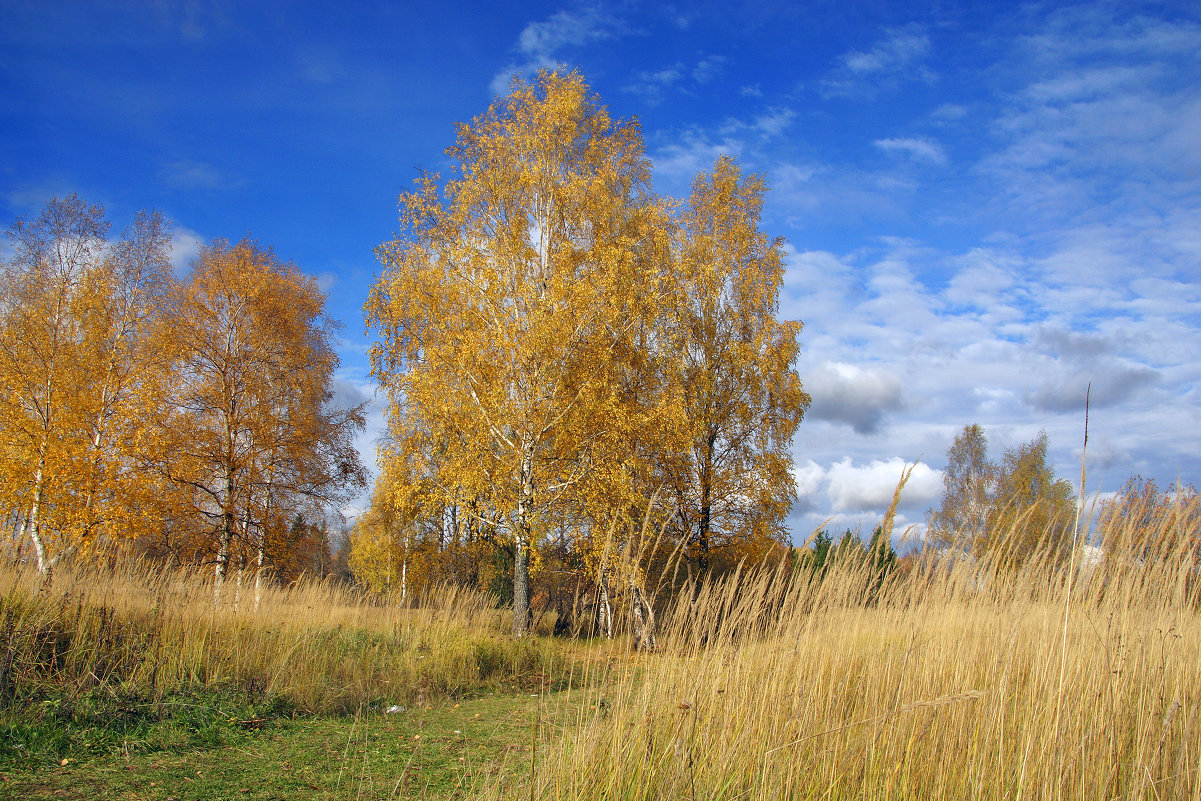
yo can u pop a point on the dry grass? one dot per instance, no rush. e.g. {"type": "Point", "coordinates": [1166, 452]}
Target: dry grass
{"type": "Point", "coordinates": [958, 681]}
{"type": "Point", "coordinates": [134, 628]}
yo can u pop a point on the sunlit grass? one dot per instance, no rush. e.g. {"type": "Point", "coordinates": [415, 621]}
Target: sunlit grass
{"type": "Point", "coordinates": [126, 655]}
{"type": "Point", "coordinates": [958, 679]}
{"type": "Point", "coordinates": [945, 683]}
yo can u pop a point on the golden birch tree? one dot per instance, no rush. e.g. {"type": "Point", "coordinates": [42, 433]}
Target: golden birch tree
{"type": "Point", "coordinates": [733, 485]}
{"type": "Point", "coordinates": [245, 430]}
{"type": "Point", "coordinates": [1033, 512]}
{"type": "Point", "coordinates": [969, 482]}
{"type": "Point", "coordinates": [76, 312]}
{"type": "Point", "coordinates": [507, 303]}
{"type": "Point", "coordinates": [1012, 510]}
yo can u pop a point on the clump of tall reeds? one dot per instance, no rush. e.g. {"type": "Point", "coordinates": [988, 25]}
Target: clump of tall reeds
{"type": "Point", "coordinates": [958, 679]}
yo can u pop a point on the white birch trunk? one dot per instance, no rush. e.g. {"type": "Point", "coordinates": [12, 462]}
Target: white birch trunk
{"type": "Point", "coordinates": [238, 582]}
{"type": "Point", "coordinates": [604, 610]}
{"type": "Point", "coordinates": [32, 529]}
{"type": "Point", "coordinates": [644, 619]}
{"type": "Point", "coordinates": [521, 543]}
{"type": "Point", "coordinates": [258, 577]}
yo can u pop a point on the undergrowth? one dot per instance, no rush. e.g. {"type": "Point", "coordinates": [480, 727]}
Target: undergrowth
{"type": "Point", "coordinates": [125, 657]}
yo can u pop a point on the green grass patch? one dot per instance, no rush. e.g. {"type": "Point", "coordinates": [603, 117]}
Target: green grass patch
{"type": "Point", "coordinates": [443, 750]}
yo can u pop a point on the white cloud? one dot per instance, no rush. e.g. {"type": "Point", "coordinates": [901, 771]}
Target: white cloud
{"type": "Point", "coordinates": [1080, 361]}
{"type": "Point", "coordinates": [870, 487]}
{"type": "Point", "coordinates": [539, 42]}
{"type": "Point", "coordinates": [185, 245]}
{"type": "Point", "coordinates": [352, 389]}
{"type": "Point", "coordinates": [326, 281]}
{"type": "Point", "coordinates": [901, 48]}
{"type": "Point", "coordinates": [693, 151]}
{"type": "Point", "coordinates": [899, 55]}
{"type": "Point", "coordinates": [949, 111]}
{"type": "Point", "coordinates": [775, 121]}
{"type": "Point", "coordinates": [916, 149]}
{"type": "Point", "coordinates": [853, 496]}
{"type": "Point", "coordinates": [810, 481]}
{"type": "Point", "coordinates": [346, 394]}
{"type": "Point", "coordinates": [858, 397]}
{"type": "Point", "coordinates": [650, 86]}
{"type": "Point", "coordinates": [708, 68]}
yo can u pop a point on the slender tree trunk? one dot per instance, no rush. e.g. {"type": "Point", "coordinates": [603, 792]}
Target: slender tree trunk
{"type": "Point", "coordinates": [32, 524]}
{"type": "Point", "coordinates": [706, 521]}
{"type": "Point", "coordinates": [604, 610]}
{"type": "Point", "coordinates": [644, 619]}
{"type": "Point", "coordinates": [228, 527]}
{"type": "Point", "coordinates": [258, 575]}
{"type": "Point", "coordinates": [521, 586]}
{"type": "Point", "coordinates": [219, 568]}
{"type": "Point", "coordinates": [521, 544]}
{"type": "Point", "coordinates": [404, 581]}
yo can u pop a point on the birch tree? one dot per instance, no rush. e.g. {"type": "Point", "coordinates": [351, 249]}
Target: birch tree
{"type": "Point", "coordinates": [736, 371]}
{"type": "Point", "coordinates": [969, 483]}
{"type": "Point", "coordinates": [245, 430]}
{"type": "Point", "coordinates": [507, 304]}
{"type": "Point", "coordinates": [77, 310]}
{"type": "Point", "coordinates": [1012, 510]}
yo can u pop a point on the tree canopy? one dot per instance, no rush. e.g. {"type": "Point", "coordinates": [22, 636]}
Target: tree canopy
{"type": "Point", "coordinates": [1012, 509]}
{"type": "Point", "coordinates": [557, 343]}
{"type": "Point", "coordinates": [186, 415]}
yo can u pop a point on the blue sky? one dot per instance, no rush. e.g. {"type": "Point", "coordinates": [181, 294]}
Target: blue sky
{"type": "Point", "coordinates": [987, 206]}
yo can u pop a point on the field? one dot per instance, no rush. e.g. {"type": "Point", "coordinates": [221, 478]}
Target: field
{"type": "Point", "coordinates": [953, 680]}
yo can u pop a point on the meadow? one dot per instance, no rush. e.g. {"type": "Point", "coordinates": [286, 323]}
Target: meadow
{"type": "Point", "coordinates": [955, 679]}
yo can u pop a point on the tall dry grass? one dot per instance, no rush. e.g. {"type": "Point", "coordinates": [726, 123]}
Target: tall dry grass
{"type": "Point", "coordinates": [959, 680]}
{"type": "Point", "coordinates": [135, 628]}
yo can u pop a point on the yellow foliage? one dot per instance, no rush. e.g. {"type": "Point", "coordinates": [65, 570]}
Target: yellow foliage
{"type": "Point", "coordinates": [77, 314]}
{"type": "Point", "coordinates": [513, 308]}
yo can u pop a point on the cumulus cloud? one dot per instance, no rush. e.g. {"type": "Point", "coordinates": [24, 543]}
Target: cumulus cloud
{"type": "Point", "coordinates": [1110, 384]}
{"type": "Point", "coordinates": [855, 396]}
{"type": "Point", "coordinates": [850, 495]}
{"type": "Point", "coordinates": [346, 394]}
{"type": "Point", "coordinates": [810, 480]}
{"type": "Point", "coordinates": [1084, 359]}
{"type": "Point", "coordinates": [869, 487]}
{"type": "Point", "coordinates": [349, 390]}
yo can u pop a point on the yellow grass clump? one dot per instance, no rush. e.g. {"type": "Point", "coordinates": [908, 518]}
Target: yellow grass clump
{"type": "Point", "coordinates": [960, 679]}
{"type": "Point", "coordinates": [138, 628]}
